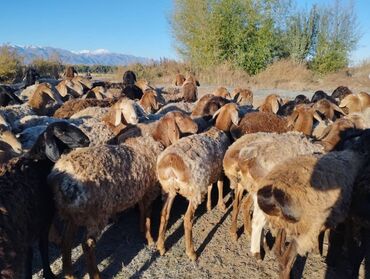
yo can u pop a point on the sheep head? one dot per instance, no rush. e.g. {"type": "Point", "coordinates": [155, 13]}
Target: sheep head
{"type": "Point", "coordinates": [7, 136]}
{"type": "Point", "coordinates": [327, 108]}
{"type": "Point", "coordinates": [243, 97]}
{"type": "Point", "coordinates": [150, 101]}
{"type": "Point", "coordinates": [302, 118]}
{"type": "Point", "coordinates": [173, 126]}
{"type": "Point", "coordinates": [351, 103]}
{"type": "Point", "coordinates": [124, 111]}
{"type": "Point", "coordinates": [226, 116]}
{"type": "Point", "coordinates": [56, 139]}
{"type": "Point", "coordinates": [271, 103]}
{"type": "Point", "coordinates": [222, 92]}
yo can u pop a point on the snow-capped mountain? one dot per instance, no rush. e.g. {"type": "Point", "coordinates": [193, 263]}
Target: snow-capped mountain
{"type": "Point", "coordinates": [85, 57]}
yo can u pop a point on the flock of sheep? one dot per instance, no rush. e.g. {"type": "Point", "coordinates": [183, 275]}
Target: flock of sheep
{"type": "Point", "coordinates": [75, 152]}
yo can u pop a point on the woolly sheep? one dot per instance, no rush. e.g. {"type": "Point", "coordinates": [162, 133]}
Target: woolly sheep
{"type": "Point", "coordinates": [189, 167]}
{"type": "Point", "coordinates": [88, 192]}
{"type": "Point", "coordinates": [27, 204]}
{"type": "Point", "coordinates": [307, 194]}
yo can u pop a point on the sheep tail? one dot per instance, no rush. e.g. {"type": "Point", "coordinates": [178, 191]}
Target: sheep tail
{"type": "Point", "coordinates": [172, 167]}
{"type": "Point", "coordinates": [276, 202]}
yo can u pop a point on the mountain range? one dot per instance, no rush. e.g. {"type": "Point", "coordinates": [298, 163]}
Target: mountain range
{"type": "Point", "coordinates": [85, 57]}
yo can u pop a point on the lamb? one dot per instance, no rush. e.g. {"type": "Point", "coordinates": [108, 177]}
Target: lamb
{"type": "Point", "coordinates": [356, 103]}
{"type": "Point", "coordinates": [271, 103]}
{"type": "Point", "coordinates": [310, 193]}
{"type": "Point", "coordinates": [244, 97]}
{"type": "Point", "coordinates": [27, 204]}
{"type": "Point", "coordinates": [88, 192]}
{"type": "Point", "coordinates": [73, 106]}
{"type": "Point", "coordinates": [189, 167]}
{"type": "Point", "coordinates": [44, 99]}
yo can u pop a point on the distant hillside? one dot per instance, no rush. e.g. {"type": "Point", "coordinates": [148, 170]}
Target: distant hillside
{"type": "Point", "coordinates": [86, 57]}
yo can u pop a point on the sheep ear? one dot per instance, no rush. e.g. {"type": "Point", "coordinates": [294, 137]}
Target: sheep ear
{"type": "Point", "coordinates": [325, 132]}
{"type": "Point", "coordinates": [154, 103]}
{"type": "Point", "coordinates": [344, 102]}
{"type": "Point", "coordinates": [117, 117]}
{"type": "Point", "coordinates": [338, 109]}
{"type": "Point", "coordinates": [317, 116]}
{"type": "Point", "coordinates": [51, 148]}
{"type": "Point", "coordinates": [216, 113]}
{"type": "Point", "coordinates": [235, 118]}
{"type": "Point", "coordinates": [293, 117]}
{"type": "Point", "coordinates": [173, 130]}
{"type": "Point", "coordinates": [70, 135]}
{"type": "Point", "coordinates": [275, 106]}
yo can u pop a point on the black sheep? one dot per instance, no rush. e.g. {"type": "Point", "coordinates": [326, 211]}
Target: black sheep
{"type": "Point", "coordinates": [26, 201]}
{"type": "Point", "coordinates": [129, 78]}
{"type": "Point", "coordinates": [7, 95]}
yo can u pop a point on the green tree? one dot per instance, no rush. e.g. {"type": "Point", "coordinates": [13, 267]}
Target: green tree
{"type": "Point", "coordinates": [10, 65]}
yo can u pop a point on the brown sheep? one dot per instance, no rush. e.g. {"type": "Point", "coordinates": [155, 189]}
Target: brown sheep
{"type": "Point", "coordinates": [44, 99]}
{"type": "Point", "coordinates": [260, 122]}
{"type": "Point", "coordinates": [271, 103]}
{"type": "Point", "coordinates": [242, 96]}
{"type": "Point", "coordinates": [208, 105]}
{"type": "Point", "coordinates": [150, 101]}
{"type": "Point", "coordinates": [70, 72]}
{"type": "Point", "coordinates": [356, 103]}
{"type": "Point", "coordinates": [71, 107]}
{"type": "Point", "coordinates": [327, 108]}
{"type": "Point", "coordinates": [302, 118]}
{"type": "Point", "coordinates": [222, 92]}
{"type": "Point", "coordinates": [179, 80]}
{"type": "Point", "coordinates": [189, 90]}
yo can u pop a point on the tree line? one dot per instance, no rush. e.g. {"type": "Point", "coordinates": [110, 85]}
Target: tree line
{"type": "Point", "coordinates": [251, 34]}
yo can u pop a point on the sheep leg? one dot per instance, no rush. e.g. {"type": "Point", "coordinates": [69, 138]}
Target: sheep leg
{"type": "Point", "coordinates": [88, 247]}
{"type": "Point", "coordinates": [221, 204]}
{"type": "Point", "coordinates": [247, 206]}
{"type": "Point", "coordinates": [258, 222]}
{"type": "Point", "coordinates": [288, 260]}
{"type": "Point", "coordinates": [279, 243]}
{"type": "Point", "coordinates": [165, 214]}
{"type": "Point", "coordinates": [67, 240]}
{"type": "Point", "coordinates": [235, 212]}
{"type": "Point", "coordinates": [44, 251]}
{"type": "Point", "coordinates": [145, 221]}
{"type": "Point", "coordinates": [188, 225]}
{"type": "Point", "coordinates": [209, 191]}
{"type": "Point", "coordinates": [28, 262]}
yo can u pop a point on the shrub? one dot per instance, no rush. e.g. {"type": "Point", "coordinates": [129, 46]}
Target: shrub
{"type": "Point", "coordinates": [10, 65]}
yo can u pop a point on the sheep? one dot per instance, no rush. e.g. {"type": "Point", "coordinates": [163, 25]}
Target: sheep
{"type": "Point", "coordinates": [182, 106]}
{"type": "Point", "coordinates": [244, 97]}
{"type": "Point", "coordinates": [271, 103]}
{"type": "Point", "coordinates": [179, 79]}
{"type": "Point", "coordinates": [97, 113]}
{"type": "Point", "coordinates": [122, 113]}
{"type": "Point", "coordinates": [9, 145]}
{"type": "Point", "coordinates": [13, 113]}
{"type": "Point", "coordinates": [189, 167]}
{"type": "Point", "coordinates": [355, 103]}
{"type": "Point", "coordinates": [132, 91]}
{"type": "Point", "coordinates": [26, 202]}
{"type": "Point", "coordinates": [288, 107]}
{"type": "Point", "coordinates": [222, 92]}
{"type": "Point", "coordinates": [302, 118]}
{"type": "Point", "coordinates": [319, 95]}
{"type": "Point", "coordinates": [208, 105]}
{"type": "Point", "coordinates": [88, 192]}
{"type": "Point", "coordinates": [7, 96]}
{"type": "Point", "coordinates": [129, 78]}
{"type": "Point", "coordinates": [310, 193]}
{"type": "Point", "coordinates": [189, 89]}
{"type": "Point", "coordinates": [30, 76]}
{"type": "Point", "coordinates": [260, 122]}
{"type": "Point", "coordinates": [150, 101]}
{"type": "Point", "coordinates": [250, 158]}
{"type": "Point", "coordinates": [327, 109]}
{"type": "Point", "coordinates": [340, 92]}
{"type": "Point", "coordinates": [70, 72]}
{"type": "Point", "coordinates": [44, 99]}
{"type": "Point", "coordinates": [143, 84]}
{"type": "Point", "coordinates": [73, 106]}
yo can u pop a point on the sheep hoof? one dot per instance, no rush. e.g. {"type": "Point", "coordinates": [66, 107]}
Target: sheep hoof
{"type": "Point", "coordinates": [209, 208]}
{"type": "Point", "coordinates": [257, 256]}
{"type": "Point", "coordinates": [234, 236]}
{"type": "Point", "coordinates": [161, 249]}
{"type": "Point", "coordinates": [192, 256]}
{"type": "Point", "coordinates": [150, 241]}
{"type": "Point", "coordinates": [221, 207]}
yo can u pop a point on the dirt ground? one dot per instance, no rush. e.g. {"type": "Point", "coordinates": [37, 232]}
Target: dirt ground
{"type": "Point", "coordinates": [122, 252]}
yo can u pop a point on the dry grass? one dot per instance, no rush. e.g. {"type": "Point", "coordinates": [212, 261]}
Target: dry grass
{"type": "Point", "coordinates": [283, 74]}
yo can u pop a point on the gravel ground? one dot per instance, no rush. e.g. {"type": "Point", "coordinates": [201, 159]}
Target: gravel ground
{"type": "Point", "coordinates": [122, 252]}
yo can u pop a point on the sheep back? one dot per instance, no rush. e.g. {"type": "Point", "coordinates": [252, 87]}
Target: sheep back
{"type": "Point", "coordinates": [193, 163]}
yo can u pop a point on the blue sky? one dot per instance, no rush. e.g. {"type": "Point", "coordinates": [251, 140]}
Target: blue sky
{"type": "Point", "coordinates": [137, 27]}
